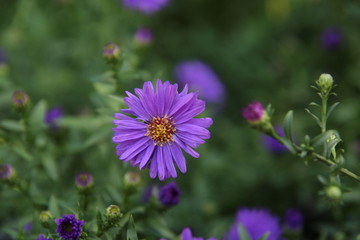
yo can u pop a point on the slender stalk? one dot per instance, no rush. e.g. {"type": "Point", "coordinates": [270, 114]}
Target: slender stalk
{"type": "Point", "coordinates": [324, 99]}
{"type": "Point", "coordinates": [115, 71]}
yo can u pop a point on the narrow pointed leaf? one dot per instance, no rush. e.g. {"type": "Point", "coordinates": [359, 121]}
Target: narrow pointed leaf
{"type": "Point", "coordinates": [131, 232]}
{"type": "Point", "coordinates": [321, 138]}
{"type": "Point", "coordinates": [331, 109]}
{"type": "Point", "coordinates": [244, 235]}
{"type": "Point", "coordinates": [314, 116]}
{"type": "Point", "coordinates": [265, 236]}
{"type": "Point", "coordinates": [288, 125]}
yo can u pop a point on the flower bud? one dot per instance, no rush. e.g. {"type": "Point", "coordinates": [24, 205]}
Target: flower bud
{"type": "Point", "coordinates": [132, 179]}
{"type": "Point", "coordinates": [84, 181]}
{"type": "Point", "coordinates": [46, 218]}
{"type": "Point", "coordinates": [325, 83]}
{"type": "Point", "coordinates": [7, 173]}
{"type": "Point", "coordinates": [20, 100]}
{"type": "Point", "coordinates": [143, 36]}
{"type": "Point", "coordinates": [111, 52]}
{"type": "Point", "coordinates": [333, 192]}
{"type": "Point", "coordinates": [113, 213]}
{"type": "Point", "coordinates": [169, 195]}
{"type": "Point", "coordinates": [256, 115]}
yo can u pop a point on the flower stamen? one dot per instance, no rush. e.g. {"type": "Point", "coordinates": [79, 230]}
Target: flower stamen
{"type": "Point", "coordinates": [161, 130]}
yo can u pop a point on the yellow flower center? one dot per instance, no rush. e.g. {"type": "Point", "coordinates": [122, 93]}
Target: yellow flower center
{"type": "Point", "coordinates": [161, 130]}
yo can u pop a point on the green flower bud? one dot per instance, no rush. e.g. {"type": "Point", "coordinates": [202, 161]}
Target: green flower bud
{"type": "Point", "coordinates": [46, 218]}
{"type": "Point", "coordinates": [132, 179]}
{"type": "Point", "coordinates": [333, 192]}
{"type": "Point", "coordinates": [113, 213]}
{"type": "Point", "coordinates": [111, 52]}
{"type": "Point", "coordinates": [325, 83]}
{"type": "Point", "coordinates": [20, 100]}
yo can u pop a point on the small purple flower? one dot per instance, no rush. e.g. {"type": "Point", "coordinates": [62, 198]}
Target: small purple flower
{"type": "Point", "coordinates": [84, 180]}
{"type": "Point", "coordinates": [169, 195]}
{"type": "Point", "coordinates": [253, 112]}
{"type": "Point", "coordinates": [271, 144]}
{"type": "Point", "coordinates": [68, 227]}
{"type": "Point", "coordinates": [200, 77]}
{"type": "Point", "coordinates": [52, 116]}
{"type": "Point", "coordinates": [147, 7]}
{"type": "Point", "coordinates": [256, 222]}
{"type": "Point", "coordinates": [163, 126]}
{"type": "Point", "coordinates": [27, 228]}
{"type": "Point", "coordinates": [20, 99]}
{"type": "Point", "coordinates": [186, 234]}
{"type": "Point", "coordinates": [111, 51]}
{"type": "Point", "coordinates": [7, 172]}
{"type": "Point", "coordinates": [331, 38]}
{"type": "Point", "coordinates": [294, 219]}
{"type": "Point", "coordinates": [41, 237]}
{"type": "Point", "coordinates": [143, 36]}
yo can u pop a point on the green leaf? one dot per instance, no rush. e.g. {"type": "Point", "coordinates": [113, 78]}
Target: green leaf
{"type": "Point", "coordinates": [36, 119]}
{"type": "Point", "coordinates": [331, 109]}
{"type": "Point", "coordinates": [49, 164]}
{"type": "Point", "coordinates": [54, 206]}
{"type": "Point", "coordinates": [323, 180]}
{"type": "Point", "coordinates": [323, 137]}
{"type": "Point", "coordinates": [265, 236]}
{"type": "Point", "coordinates": [288, 144]}
{"type": "Point", "coordinates": [244, 235]}
{"type": "Point", "coordinates": [314, 116]}
{"type": "Point", "coordinates": [131, 232]}
{"type": "Point", "coordinates": [11, 125]}
{"type": "Point", "coordinates": [288, 125]}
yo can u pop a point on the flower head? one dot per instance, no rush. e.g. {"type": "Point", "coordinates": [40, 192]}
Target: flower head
{"type": "Point", "coordinates": [68, 227]}
{"type": "Point", "coordinates": [254, 112]}
{"type": "Point", "coordinates": [132, 179]}
{"type": "Point", "coordinates": [202, 78]}
{"type": "Point", "coordinates": [331, 38]}
{"type": "Point", "coordinates": [143, 36]}
{"type": "Point", "coordinates": [186, 234]}
{"type": "Point", "coordinates": [52, 116]}
{"type": "Point", "coordinates": [7, 172]}
{"type": "Point", "coordinates": [84, 180]}
{"type": "Point", "coordinates": [147, 7]}
{"type": "Point", "coordinates": [163, 127]}
{"type": "Point", "coordinates": [169, 195]}
{"type": "Point", "coordinates": [294, 219]}
{"type": "Point", "coordinates": [41, 237]}
{"type": "Point", "coordinates": [271, 144]}
{"type": "Point", "coordinates": [20, 99]}
{"type": "Point", "coordinates": [256, 222]}
{"type": "Point", "coordinates": [111, 51]}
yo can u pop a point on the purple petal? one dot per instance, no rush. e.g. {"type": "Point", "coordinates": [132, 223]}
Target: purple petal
{"type": "Point", "coordinates": [186, 147]}
{"type": "Point", "coordinates": [202, 122]}
{"type": "Point", "coordinates": [149, 151]}
{"type": "Point", "coordinates": [194, 129]}
{"type": "Point", "coordinates": [160, 163]}
{"type": "Point", "coordinates": [135, 148]}
{"type": "Point", "coordinates": [129, 136]}
{"type": "Point", "coordinates": [196, 109]}
{"type": "Point", "coordinates": [178, 157]}
{"type": "Point", "coordinates": [169, 161]}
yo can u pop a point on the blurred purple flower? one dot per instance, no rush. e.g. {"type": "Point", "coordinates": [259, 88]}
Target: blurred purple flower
{"type": "Point", "coordinates": [256, 222]}
{"type": "Point", "coordinates": [163, 126]}
{"type": "Point", "coordinates": [52, 116]}
{"type": "Point", "coordinates": [27, 228]}
{"type": "Point", "coordinates": [143, 36]}
{"type": "Point", "coordinates": [200, 77]}
{"type": "Point", "coordinates": [331, 38]}
{"type": "Point", "coordinates": [7, 172]}
{"type": "Point", "coordinates": [271, 144]}
{"type": "Point", "coordinates": [186, 234]}
{"type": "Point", "coordinates": [84, 180]}
{"type": "Point", "coordinates": [169, 195]}
{"type": "Point", "coordinates": [20, 99]}
{"type": "Point", "coordinates": [294, 219]}
{"type": "Point", "coordinates": [41, 237]}
{"type": "Point", "coordinates": [253, 112]}
{"type": "Point", "coordinates": [68, 227]}
{"type": "Point", "coordinates": [147, 7]}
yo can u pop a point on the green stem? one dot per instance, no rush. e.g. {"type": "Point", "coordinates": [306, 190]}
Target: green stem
{"type": "Point", "coordinates": [115, 70]}
{"type": "Point", "coordinates": [324, 99]}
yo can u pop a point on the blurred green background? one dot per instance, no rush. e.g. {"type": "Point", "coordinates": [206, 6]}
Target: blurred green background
{"type": "Point", "coordinates": [269, 50]}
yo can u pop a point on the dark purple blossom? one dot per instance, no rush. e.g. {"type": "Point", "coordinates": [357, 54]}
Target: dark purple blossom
{"type": "Point", "coordinates": [52, 116]}
{"type": "Point", "coordinates": [144, 36]}
{"type": "Point", "coordinates": [256, 222]}
{"type": "Point", "coordinates": [294, 219]}
{"type": "Point", "coordinates": [68, 227]}
{"type": "Point", "coordinates": [7, 172]}
{"type": "Point", "coordinates": [147, 7]}
{"type": "Point", "coordinates": [331, 38]}
{"type": "Point", "coordinates": [200, 77]}
{"type": "Point", "coordinates": [186, 234]}
{"type": "Point", "coordinates": [253, 112]}
{"type": "Point", "coordinates": [163, 126]}
{"type": "Point", "coordinates": [41, 237]}
{"type": "Point", "coordinates": [271, 144]}
{"type": "Point", "coordinates": [84, 180]}
{"type": "Point", "coordinates": [169, 195]}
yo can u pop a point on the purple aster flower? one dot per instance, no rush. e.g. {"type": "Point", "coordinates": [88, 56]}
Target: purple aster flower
{"type": "Point", "coordinates": [41, 237]}
{"type": "Point", "coordinates": [331, 38]}
{"type": "Point", "coordinates": [163, 126]}
{"type": "Point", "coordinates": [144, 36]}
{"type": "Point", "coordinates": [52, 116]}
{"type": "Point", "coordinates": [256, 222]}
{"type": "Point", "coordinates": [294, 219]}
{"type": "Point", "coordinates": [169, 195]}
{"type": "Point", "coordinates": [271, 144]}
{"type": "Point", "coordinates": [7, 172]}
{"type": "Point", "coordinates": [202, 78]}
{"type": "Point", "coordinates": [186, 234]}
{"type": "Point", "coordinates": [147, 7]}
{"type": "Point", "coordinates": [254, 112]}
{"type": "Point", "coordinates": [68, 227]}
{"type": "Point", "coordinates": [84, 180]}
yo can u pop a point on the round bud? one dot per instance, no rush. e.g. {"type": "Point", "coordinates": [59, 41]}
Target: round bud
{"type": "Point", "coordinates": [333, 192]}
{"type": "Point", "coordinates": [7, 172]}
{"type": "Point", "coordinates": [111, 52]}
{"type": "Point", "coordinates": [325, 83]}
